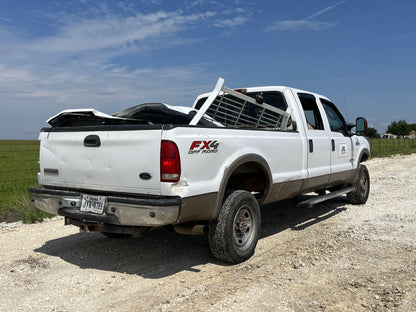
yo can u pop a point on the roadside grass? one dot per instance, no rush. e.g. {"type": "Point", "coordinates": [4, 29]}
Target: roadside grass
{"type": "Point", "coordinates": [18, 171]}
{"type": "Point", "coordinates": [386, 148]}
{"type": "Point", "coordinates": [19, 167]}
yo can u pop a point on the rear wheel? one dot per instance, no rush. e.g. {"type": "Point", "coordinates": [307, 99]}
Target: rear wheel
{"type": "Point", "coordinates": [360, 194]}
{"type": "Point", "coordinates": [233, 236]}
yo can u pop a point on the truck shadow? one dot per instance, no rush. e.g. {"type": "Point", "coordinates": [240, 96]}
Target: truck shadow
{"type": "Point", "coordinates": [161, 252]}
{"type": "Point", "coordinates": [289, 216]}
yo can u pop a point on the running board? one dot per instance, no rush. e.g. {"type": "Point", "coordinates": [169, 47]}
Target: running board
{"type": "Point", "coordinates": [319, 199]}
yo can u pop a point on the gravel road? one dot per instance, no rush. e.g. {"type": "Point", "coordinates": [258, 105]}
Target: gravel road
{"type": "Point", "coordinates": [333, 257]}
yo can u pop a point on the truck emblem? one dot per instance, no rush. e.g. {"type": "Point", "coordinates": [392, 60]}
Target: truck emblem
{"type": "Point", "coordinates": [203, 147]}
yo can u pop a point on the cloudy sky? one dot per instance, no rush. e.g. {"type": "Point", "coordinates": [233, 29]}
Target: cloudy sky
{"type": "Point", "coordinates": [110, 55]}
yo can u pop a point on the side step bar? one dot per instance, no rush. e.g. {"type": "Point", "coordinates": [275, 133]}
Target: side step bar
{"type": "Point", "coordinates": [319, 199]}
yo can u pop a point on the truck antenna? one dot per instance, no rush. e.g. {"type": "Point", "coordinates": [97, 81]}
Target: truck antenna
{"type": "Point", "coordinates": [345, 102]}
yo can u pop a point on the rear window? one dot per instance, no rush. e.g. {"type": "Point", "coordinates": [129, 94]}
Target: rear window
{"type": "Point", "coordinates": [273, 98]}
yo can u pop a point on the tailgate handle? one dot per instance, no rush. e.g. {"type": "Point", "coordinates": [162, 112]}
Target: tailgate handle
{"type": "Point", "coordinates": [92, 141]}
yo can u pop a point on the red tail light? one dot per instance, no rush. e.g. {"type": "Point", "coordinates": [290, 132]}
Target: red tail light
{"type": "Point", "coordinates": [170, 162]}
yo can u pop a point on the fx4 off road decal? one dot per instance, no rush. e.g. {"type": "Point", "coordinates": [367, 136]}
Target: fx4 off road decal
{"type": "Point", "coordinates": [203, 147]}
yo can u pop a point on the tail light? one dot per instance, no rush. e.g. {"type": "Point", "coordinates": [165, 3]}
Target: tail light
{"type": "Point", "coordinates": [170, 162]}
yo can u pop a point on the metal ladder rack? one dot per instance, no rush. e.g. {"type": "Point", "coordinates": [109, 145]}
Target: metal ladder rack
{"type": "Point", "coordinates": [235, 109]}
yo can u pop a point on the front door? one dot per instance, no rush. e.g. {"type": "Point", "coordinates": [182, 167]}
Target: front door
{"type": "Point", "coordinates": [341, 144]}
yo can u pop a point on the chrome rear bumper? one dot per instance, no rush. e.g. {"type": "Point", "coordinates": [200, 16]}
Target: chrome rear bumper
{"type": "Point", "coordinates": [119, 210]}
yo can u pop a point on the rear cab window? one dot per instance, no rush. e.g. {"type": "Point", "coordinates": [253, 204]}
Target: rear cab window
{"type": "Point", "coordinates": [273, 98]}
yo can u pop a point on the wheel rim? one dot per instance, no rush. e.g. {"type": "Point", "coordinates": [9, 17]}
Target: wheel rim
{"type": "Point", "coordinates": [363, 185]}
{"type": "Point", "coordinates": [244, 227]}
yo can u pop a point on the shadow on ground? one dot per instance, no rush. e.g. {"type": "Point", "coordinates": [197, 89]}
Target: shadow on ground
{"type": "Point", "coordinates": [161, 252]}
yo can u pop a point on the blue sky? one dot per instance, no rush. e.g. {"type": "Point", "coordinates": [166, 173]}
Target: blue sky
{"type": "Point", "coordinates": [110, 55]}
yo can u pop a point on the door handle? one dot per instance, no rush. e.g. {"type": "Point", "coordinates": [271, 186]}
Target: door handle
{"type": "Point", "coordinates": [333, 145]}
{"type": "Point", "coordinates": [310, 146]}
{"type": "Point", "coordinates": [92, 141]}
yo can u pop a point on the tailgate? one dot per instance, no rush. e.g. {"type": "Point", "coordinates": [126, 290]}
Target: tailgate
{"type": "Point", "coordinates": [114, 161]}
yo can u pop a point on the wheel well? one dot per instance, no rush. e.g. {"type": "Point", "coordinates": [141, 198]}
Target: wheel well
{"type": "Point", "coordinates": [250, 176]}
{"type": "Point", "coordinates": [364, 157]}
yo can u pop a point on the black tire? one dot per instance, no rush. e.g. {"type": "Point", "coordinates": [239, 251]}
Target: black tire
{"type": "Point", "coordinates": [362, 187]}
{"type": "Point", "coordinates": [233, 236]}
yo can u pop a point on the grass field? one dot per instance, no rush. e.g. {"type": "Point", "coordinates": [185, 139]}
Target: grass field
{"type": "Point", "coordinates": [18, 170]}
{"type": "Point", "coordinates": [19, 167]}
{"type": "Point", "coordinates": [385, 148]}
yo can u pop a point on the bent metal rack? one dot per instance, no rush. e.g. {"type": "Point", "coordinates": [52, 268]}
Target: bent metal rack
{"type": "Point", "coordinates": [235, 109]}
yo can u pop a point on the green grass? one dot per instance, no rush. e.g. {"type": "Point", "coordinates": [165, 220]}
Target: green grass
{"type": "Point", "coordinates": [18, 170]}
{"type": "Point", "coordinates": [19, 167]}
{"type": "Point", "coordinates": [385, 148]}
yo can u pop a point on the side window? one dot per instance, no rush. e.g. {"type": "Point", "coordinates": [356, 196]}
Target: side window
{"type": "Point", "coordinates": [312, 114]}
{"type": "Point", "coordinates": [335, 119]}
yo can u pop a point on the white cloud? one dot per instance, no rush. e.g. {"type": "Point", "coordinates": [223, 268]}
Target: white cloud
{"type": "Point", "coordinates": [75, 86]}
{"type": "Point", "coordinates": [196, 3]}
{"type": "Point", "coordinates": [233, 22]}
{"type": "Point", "coordinates": [28, 97]}
{"type": "Point", "coordinates": [328, 8]}
{"type": "Point", "coordinates": [309, 23]}
{"type": "Point", "coordinates": [300, 25]}
{"type": "Point", "coordinates": [10, 76]}
{"type": "Point", "coordinates": [115, 32]}
{"type": "Point", "coordinates": [77, 65]}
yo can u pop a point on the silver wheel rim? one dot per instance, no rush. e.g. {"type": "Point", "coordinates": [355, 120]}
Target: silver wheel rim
{"type": "Point", "coordinates": [244, 228]}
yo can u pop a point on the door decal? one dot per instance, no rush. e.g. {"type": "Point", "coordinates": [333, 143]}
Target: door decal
{"type": "Point", "coordinates": [343, 152]}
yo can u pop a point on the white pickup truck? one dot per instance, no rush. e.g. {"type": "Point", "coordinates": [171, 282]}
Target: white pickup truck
{"type": "Point", "coordinates": [205, 169]}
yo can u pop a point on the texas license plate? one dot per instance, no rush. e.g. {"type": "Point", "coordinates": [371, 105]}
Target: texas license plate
{"type": "Point", "coordinates": [93, 203]}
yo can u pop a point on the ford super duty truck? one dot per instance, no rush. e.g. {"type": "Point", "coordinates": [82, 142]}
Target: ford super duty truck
{"type": "Point", "coordinates": [202, 170]}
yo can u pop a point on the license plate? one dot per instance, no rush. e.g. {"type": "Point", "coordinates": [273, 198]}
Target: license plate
{"type": "Point", "coordinates": [93, 203]}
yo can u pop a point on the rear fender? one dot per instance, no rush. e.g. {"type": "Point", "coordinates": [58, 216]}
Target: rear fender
{"type": "Point", "coordinates": [249, 158]}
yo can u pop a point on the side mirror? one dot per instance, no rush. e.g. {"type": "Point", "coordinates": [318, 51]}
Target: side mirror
{"type": "Point", "coordinates": [361, 126]}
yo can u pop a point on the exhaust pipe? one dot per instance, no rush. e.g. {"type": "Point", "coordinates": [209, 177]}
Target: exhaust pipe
{"type": "Point", "coordinates": [89, 227]}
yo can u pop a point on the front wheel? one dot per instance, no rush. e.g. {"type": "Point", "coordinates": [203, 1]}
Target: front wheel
{"type": "Point", "coordinates": [360, 194]}
{"type": "Point", "coordinates": [233, 236]}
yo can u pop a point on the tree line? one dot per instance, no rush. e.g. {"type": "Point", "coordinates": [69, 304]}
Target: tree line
{"type": "Point", "coordinates": [399, 128]}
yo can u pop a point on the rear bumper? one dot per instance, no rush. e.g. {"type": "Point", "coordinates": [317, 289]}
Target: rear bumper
{"type": "Point", "coordinates": [119, 210]}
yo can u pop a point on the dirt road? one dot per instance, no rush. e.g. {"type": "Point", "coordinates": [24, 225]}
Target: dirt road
{"type": "Point", "coordinates": [333, 257]}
